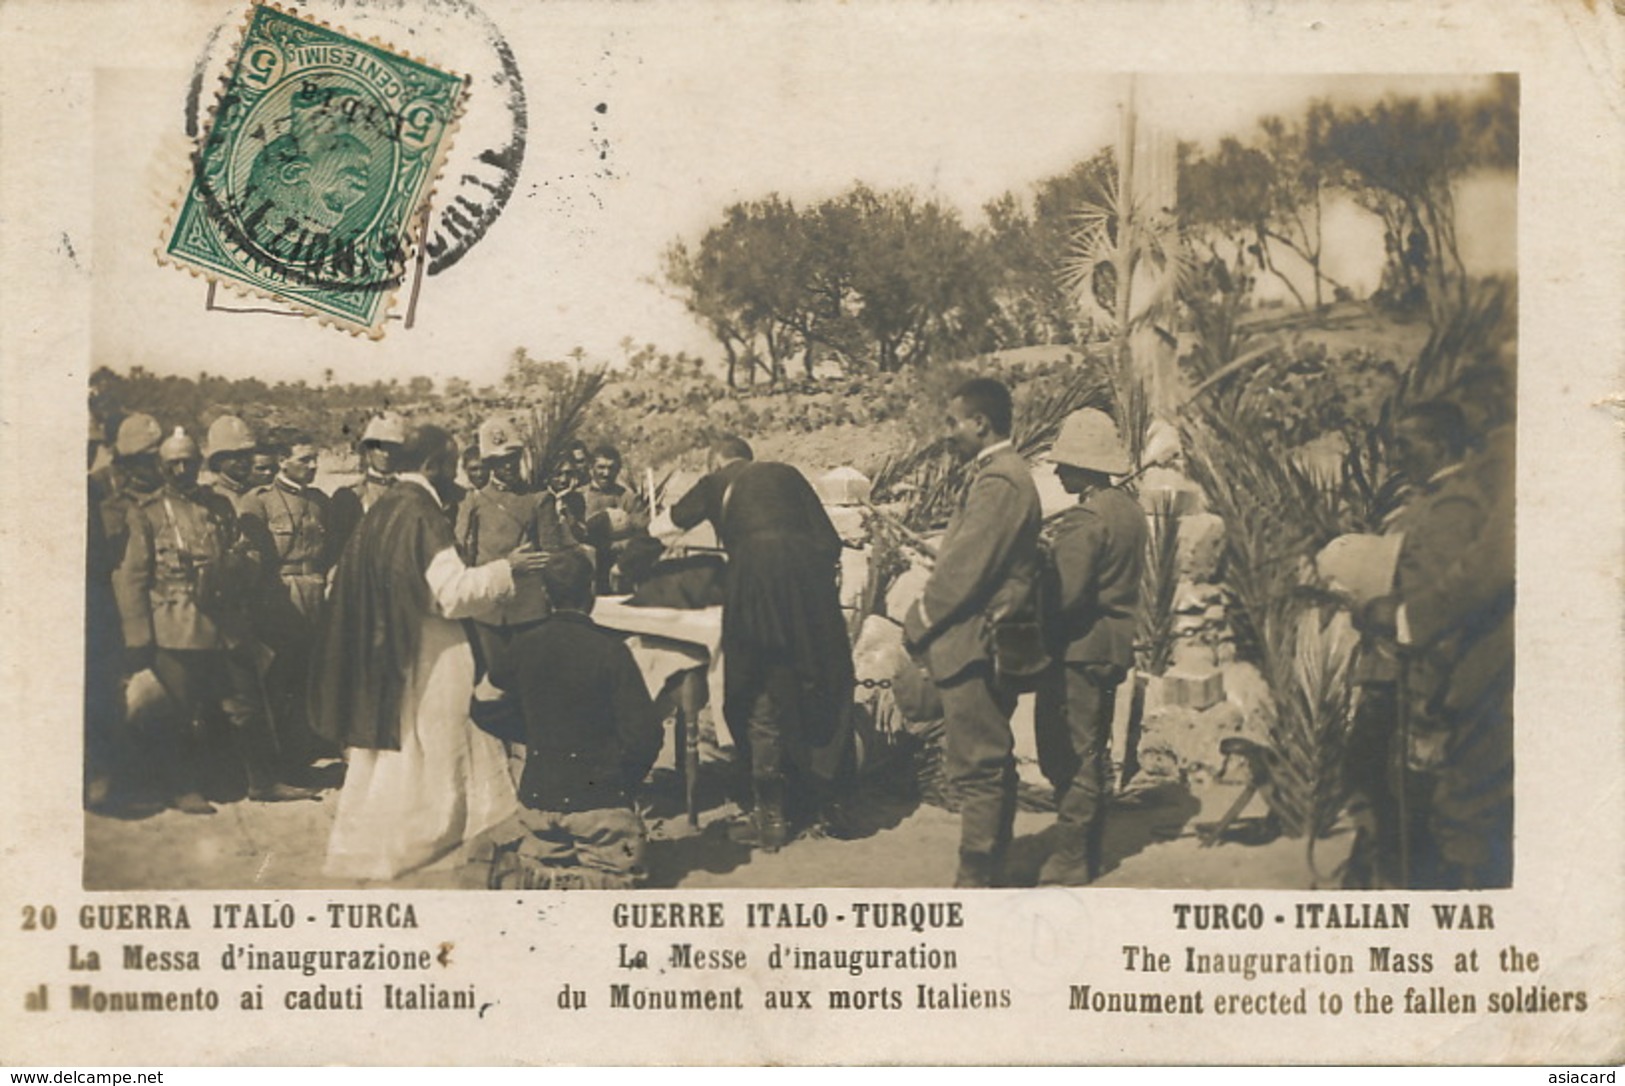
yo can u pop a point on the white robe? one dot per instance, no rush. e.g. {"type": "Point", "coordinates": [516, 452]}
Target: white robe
{"type": "Point", "coordinates": [402, 809]}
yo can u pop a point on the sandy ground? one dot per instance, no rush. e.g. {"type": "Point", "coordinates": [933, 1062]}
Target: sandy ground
{"type": "Point", "coordinates": [898, 842]}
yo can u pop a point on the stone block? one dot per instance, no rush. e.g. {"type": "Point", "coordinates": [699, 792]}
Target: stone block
{"type": "Point", "coordinates": [1193, 656]}
{"type": "Point", "coordinates": [854, 575]}
{"type": "Point", "coordinates": [848, 523]}
{"type": "Point", "coordinates": [909, 586]}
{"type": "Point", "coordinates": [1191, 597]}
{"type": "Point", "coordinates": [843, 486]}
{"type": "Point", "coordinates": [1188, 625]}
{"type": "Point", "coordinates": [1160, 484]}
{"type": "Point", "coordinates": [1191, 688]}
{"type": "Point", "coordinates": [1201, 546]}
{"type": "Point", "coordinates": [1164, 740]}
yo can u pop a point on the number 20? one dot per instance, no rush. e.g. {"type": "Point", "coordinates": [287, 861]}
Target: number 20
{"type": "Point", "coordinates": [43, 917]}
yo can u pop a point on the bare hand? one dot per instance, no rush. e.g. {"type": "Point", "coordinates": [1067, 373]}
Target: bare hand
{"type": "Point", "coordinates": [525, 558]}
{"type": "Point", "coordinates": [1427, 750]}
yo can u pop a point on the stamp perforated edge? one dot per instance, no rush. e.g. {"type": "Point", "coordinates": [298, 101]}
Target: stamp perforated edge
{"type": "Point", "coordinates": [414, 226]}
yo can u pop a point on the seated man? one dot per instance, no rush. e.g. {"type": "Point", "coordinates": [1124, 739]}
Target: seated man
{"type": "Point", "coordinates": [591, 735]}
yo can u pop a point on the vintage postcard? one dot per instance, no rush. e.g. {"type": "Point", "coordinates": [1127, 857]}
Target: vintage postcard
{"type": "Point", "coordinates": [812, 533]}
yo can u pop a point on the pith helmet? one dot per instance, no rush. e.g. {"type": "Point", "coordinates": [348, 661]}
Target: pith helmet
{"type": "Point", "coordinates": [388, 428]}
{"type": "Point", "coordinates": [138, 434]}
{"type": "Point", "coordinates": [1089, 441]}
{"type": "Point", "coordinates": [178, 446]}
{"type": "Point", "coordinates": [228, 434]}
{"type": "Point", "coordinates": [499, 437]}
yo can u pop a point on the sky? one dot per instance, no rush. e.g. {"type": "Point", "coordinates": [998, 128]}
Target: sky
{"type": "Point", "coordinates": [642, 131]}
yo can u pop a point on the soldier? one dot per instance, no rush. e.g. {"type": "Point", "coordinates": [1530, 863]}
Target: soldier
{"type": "Point", "coordinates": [478, 475]}
{"type": "Point", "coordinates": [380, 443]}
{"type": "Point", "coordinates": [286, 521]}
{"type": "Point", "coordinates": [181, 595]}
{"type": "Point", "coordinates": [612, 512]}
{"type": "Point", "coordinates": [569, 500]}
{"type": "Point", "coordinates": [230, 448]}
{"type": "Point", "coordinates": [580, 463]}
{"type": "Point", "coordinates": [1451, 613]}
{"type": "Point", "coordinates": [1097, 549]}
{"type": "Point", "coordinates": [494, 521]}
{"type": "Point", "coordinates": [474, 468]}
{"type": "Point", "coordinates": [113, 490]}
{"type": "Point", "coordinates": [263, 468]}
{"type": "Point", "coordinates": [984, 574]}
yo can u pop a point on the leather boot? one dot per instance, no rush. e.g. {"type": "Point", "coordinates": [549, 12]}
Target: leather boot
{"type": "Point", "coordinates": [772, 829]}
{"type": "Point", "coordinates": [1068, 863]}
{"type": "Point", "coordinates": [975, 870]}
{"type": "Point", "coordinates": [767, 828]}
{"type": "Point", "coordinates": [263, 787]}
{"type": "Point", "coordinates": [1076, 857]}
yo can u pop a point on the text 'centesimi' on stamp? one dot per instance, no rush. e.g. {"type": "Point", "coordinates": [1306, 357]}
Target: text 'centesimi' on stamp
{"type": "Point", "coordinates": [307, 185]}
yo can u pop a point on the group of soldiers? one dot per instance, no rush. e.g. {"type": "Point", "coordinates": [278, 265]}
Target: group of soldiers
{"type": "Point", "coordinates": [1015, 603]}
{"type": "Point", "coordinates": [1019, 603]}
{"type": "Point", "coordinates": [204, 599]}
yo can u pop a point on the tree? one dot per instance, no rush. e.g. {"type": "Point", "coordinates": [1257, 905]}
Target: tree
{"type": "Point", "coordinates": [866, 278]}
{"type": "Point", "coordinates": [741, 283]}
{"type": "Point", "coordinates": [1401, 159]}
{"type": "Point", "coordinates": [1252, 197]}
{"type": "Point", "coordinates": [918, 279]}
{"type": "Point", "coordinates": [1028, 250]}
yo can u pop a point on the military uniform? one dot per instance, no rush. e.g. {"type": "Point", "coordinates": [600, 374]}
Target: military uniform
{"type": "Point", "coordinates": [110, 496]}
{"type": "Point", "coordinates": [492, 522]}
{"type": "Point", "coordinates": [985, 570]}
{"type": "Point", "coordinates": [106, 534]}
{"type": "Point", "coordinates": [350, 503]}
{"type": "Point", "coordinates": [1097, 551]}
{"type": "Point", "coordinates": [234, 492]}
{"type": "Point", "coordinates": [571, 504]}
{"type": "Point", "coordinates": [287, 526]}
{"type": "Point", "coordinates": [1455, 584]}
{"type": "Point", "coordinates": [181, 597]}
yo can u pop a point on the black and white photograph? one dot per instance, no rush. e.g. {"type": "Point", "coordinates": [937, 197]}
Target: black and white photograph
{"type": "Point", "coordinates": [1143, 522]}
{"type": "Point", "coordinates": [832, 467]}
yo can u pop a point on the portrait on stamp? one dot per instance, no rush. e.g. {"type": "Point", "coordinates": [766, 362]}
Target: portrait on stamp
{"type": "Point", "coordinates": [308, 182]}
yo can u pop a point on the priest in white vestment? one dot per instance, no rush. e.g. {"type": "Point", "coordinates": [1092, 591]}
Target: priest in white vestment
{"type": "Point", "coordinates": [394, 675]}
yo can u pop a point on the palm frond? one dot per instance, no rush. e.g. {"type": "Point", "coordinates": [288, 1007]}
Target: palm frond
{"type": "Point", "coordinates": [554, 423]}
{"type": "Point", "coordinates": [1372, 486]}
{"type": "Point", "coordinates": [1276, 512]}
{"type": "Point", "coordinates": [1159, 584]}
{"type": "Point", "coordinates": [1307, 655]}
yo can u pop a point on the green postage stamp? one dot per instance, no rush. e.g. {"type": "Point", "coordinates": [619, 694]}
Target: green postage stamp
{"type": "Point", "coordinates": [308, 182]}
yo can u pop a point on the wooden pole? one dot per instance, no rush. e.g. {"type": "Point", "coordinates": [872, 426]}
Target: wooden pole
{"type": "Point", "coordinates": [1127, 377]}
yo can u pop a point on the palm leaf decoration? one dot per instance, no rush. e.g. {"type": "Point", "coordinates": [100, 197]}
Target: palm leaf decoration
{"type": "Point", "coordinates": [1130, 257]}
{"type": "Point", "coordinates": [554, 423]}
{"type": "Point", "coordinates": [1159, 583]}
{"type": "Point", "coordinates": [1276, 512]}
{"type": "Point", "coordinates": [1371, 486]}
{"type": "Point", "coordinates": [1306, 663]}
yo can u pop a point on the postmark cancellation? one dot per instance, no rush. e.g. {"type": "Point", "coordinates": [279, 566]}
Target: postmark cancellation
{"type": "Point", "coordinates": [308, 183]}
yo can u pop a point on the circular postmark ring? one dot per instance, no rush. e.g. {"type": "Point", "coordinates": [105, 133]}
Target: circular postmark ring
{"type": "Point", "coordinates": [483, 171]}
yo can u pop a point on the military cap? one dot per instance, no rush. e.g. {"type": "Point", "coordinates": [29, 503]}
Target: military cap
{"type": "Point", "coordinates": [138, 434]}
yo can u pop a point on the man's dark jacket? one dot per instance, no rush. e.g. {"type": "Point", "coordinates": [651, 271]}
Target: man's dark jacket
{"type": "Point", "coordinates": [589, 726]}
